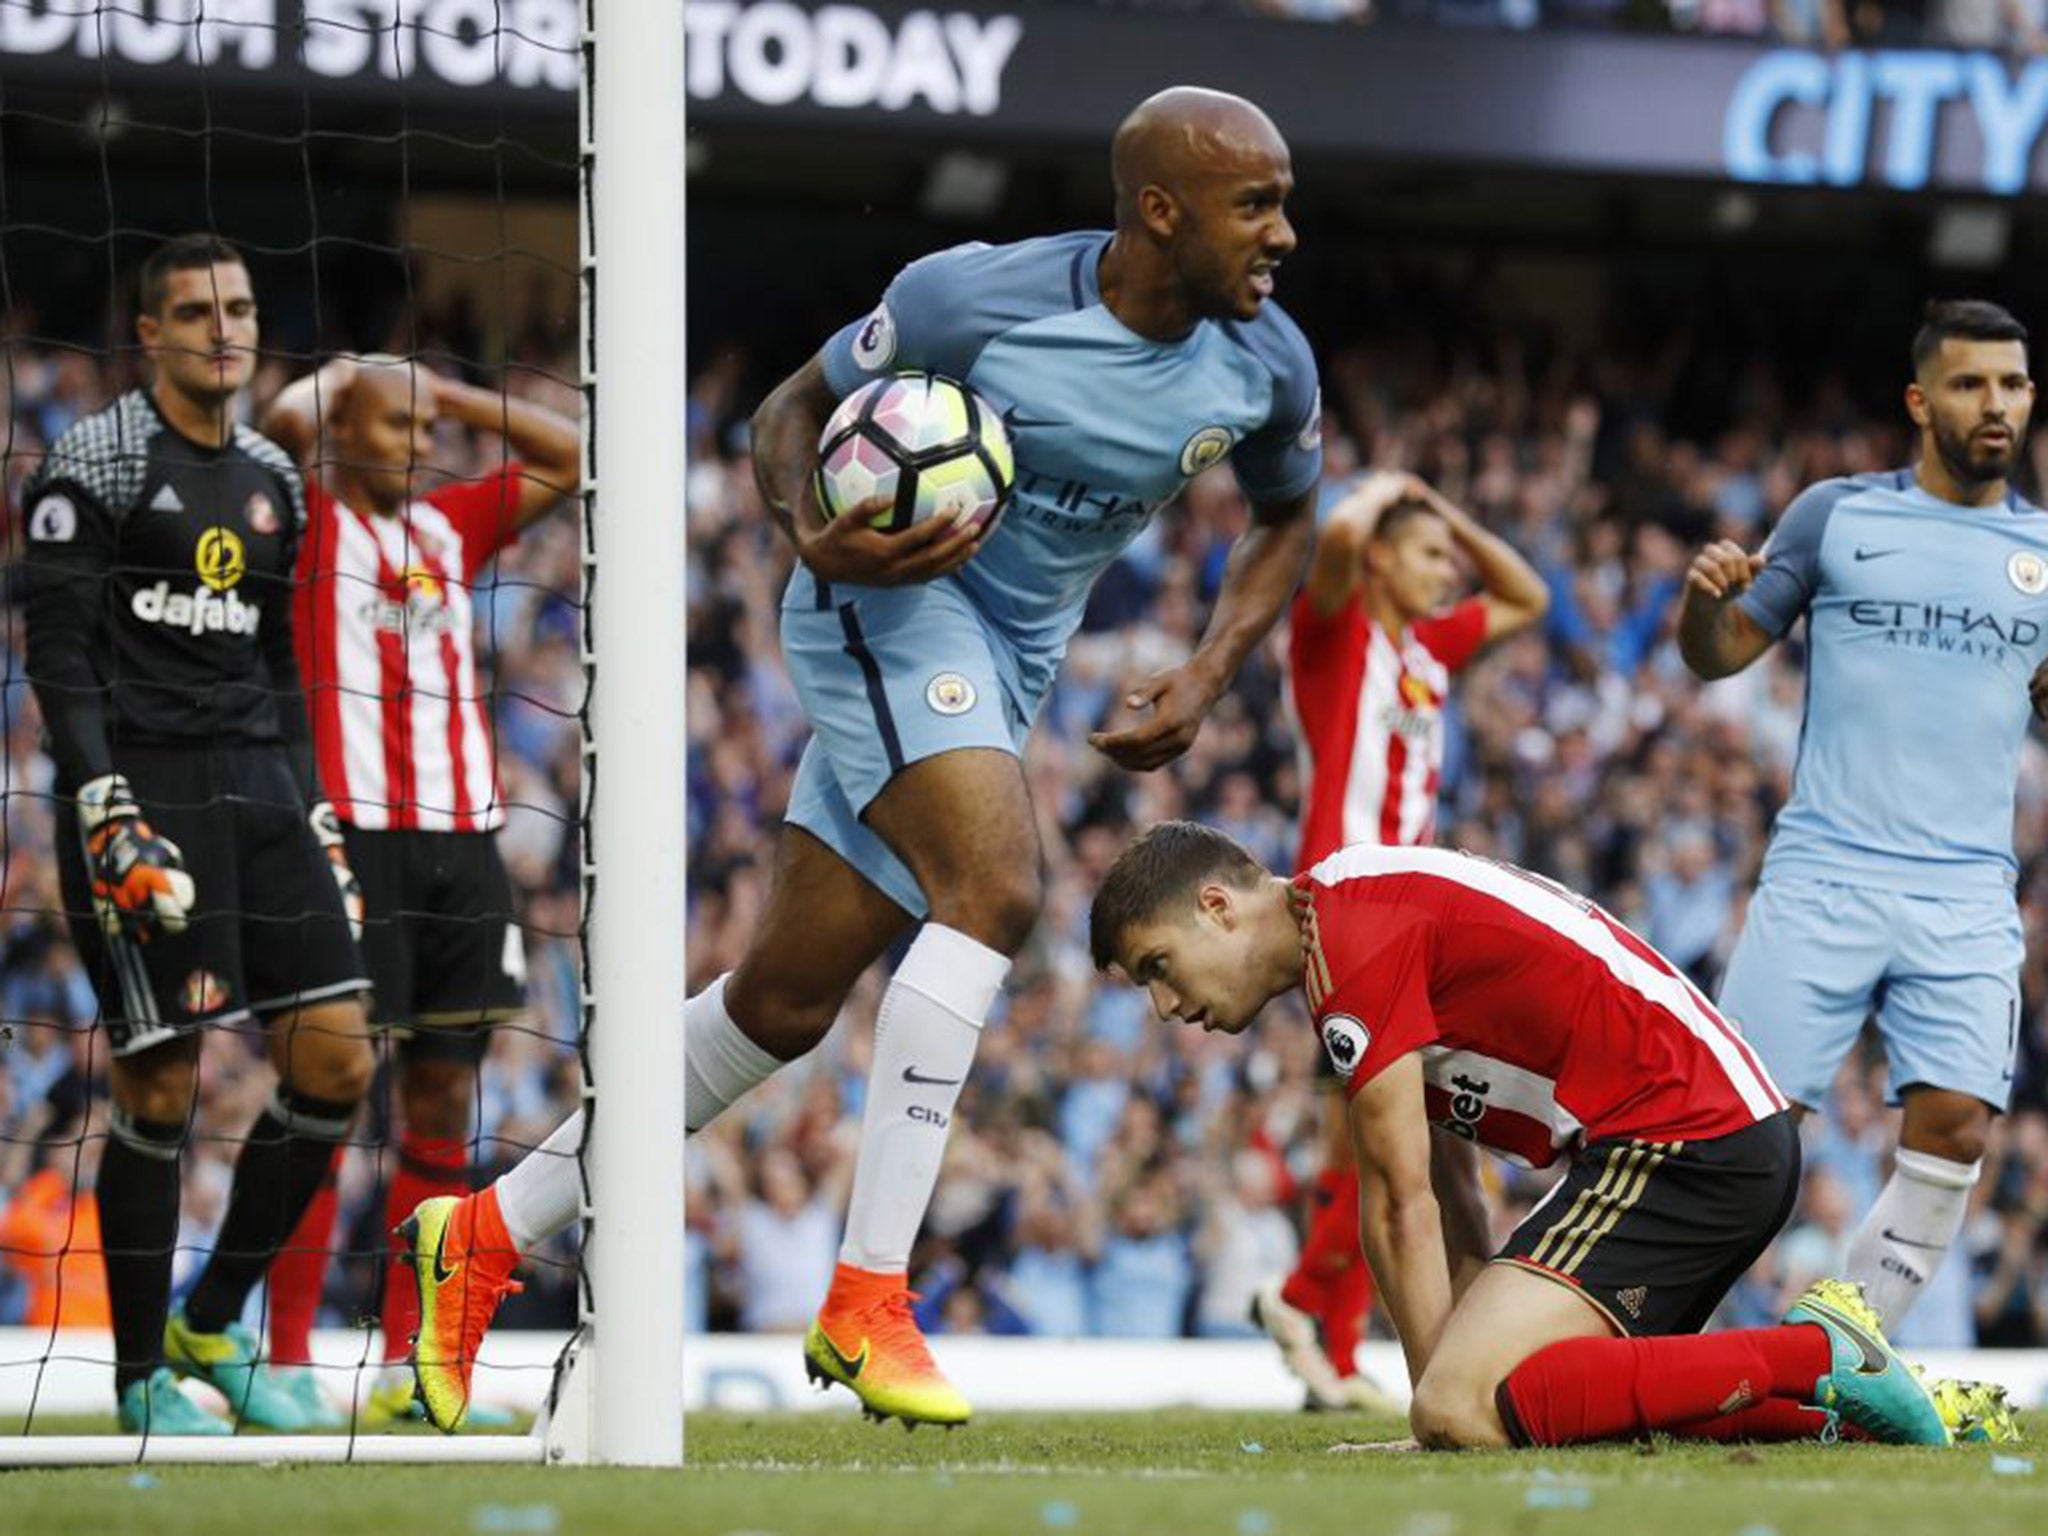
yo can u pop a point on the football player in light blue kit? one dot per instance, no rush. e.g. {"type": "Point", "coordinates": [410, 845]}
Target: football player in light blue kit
{"type": "Point", "coordinates": [1126, 362]}
{"type": "Point", "coordinates": [1888, 884]}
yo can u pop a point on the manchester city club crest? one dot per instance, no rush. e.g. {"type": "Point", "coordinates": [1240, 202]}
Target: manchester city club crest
{"type": "Point", "coordinates": [949, 694]}
{"type": "Point", "coordinates": [2029, 572]}
{"type": "Point", "coordinates": [1205, 448]}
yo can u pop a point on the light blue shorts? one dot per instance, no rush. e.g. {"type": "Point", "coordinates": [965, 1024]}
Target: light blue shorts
{"type": "Point", "coordinates": [890, 676]}
{"type": "Point", "coordinates": [1941, 974]}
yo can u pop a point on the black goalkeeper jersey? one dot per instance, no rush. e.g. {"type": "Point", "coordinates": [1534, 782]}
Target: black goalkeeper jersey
{"type": "Point", "coordinates": [159, 578]}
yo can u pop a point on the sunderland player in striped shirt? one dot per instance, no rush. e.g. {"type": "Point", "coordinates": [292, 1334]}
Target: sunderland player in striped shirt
{"type": "Point", "coordinates": [387, 607]}
{"type": "Point", "coordinates": [1467, 1003]}
{"type": "Point", "coordinates": [1374, 641]}
{"type": "Point", "coordinates": [1887, 889]}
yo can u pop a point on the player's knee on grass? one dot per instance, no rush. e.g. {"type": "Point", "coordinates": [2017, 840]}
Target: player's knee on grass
{"type": "Point", "coordinates": [1454, 1415]}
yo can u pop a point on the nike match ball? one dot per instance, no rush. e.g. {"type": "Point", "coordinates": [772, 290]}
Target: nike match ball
{"type": "Point", "coordinates": [923, 443]}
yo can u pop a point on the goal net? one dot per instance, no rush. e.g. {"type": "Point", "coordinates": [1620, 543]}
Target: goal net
{"type": "Point", "coordinates": [304, 307]}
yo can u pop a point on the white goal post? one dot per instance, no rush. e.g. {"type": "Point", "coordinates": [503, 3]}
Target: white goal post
{"type": "Point", "coordinates": [618, 1398]}
{"type": "Point", "coordinates": [635, 428]}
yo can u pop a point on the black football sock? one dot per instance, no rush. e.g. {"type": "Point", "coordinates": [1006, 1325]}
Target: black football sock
{"type": "Point", "coordinates": [281, 1168]}
{"type": "Point", "coordinates": [138, 1202]}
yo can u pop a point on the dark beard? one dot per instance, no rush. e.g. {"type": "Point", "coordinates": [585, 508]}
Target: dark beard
{"type": "Point", "coordinates": [1965, 468]}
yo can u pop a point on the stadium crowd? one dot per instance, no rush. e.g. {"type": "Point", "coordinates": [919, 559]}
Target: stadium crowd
{"type": "Point", "coordinates": [1106, 1174]}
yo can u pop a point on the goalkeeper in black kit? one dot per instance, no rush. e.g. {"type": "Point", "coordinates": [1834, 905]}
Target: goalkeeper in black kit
{"type": "Point", "coordinates": [201, 867]}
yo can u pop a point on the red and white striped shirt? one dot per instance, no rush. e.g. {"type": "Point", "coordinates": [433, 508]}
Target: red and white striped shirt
{"type": "Point", "coordinates": [385, 633]}
{"type": "Point", "coordinates": [1370, 709]}
{"type": "Point", "coordinates": [1540, 1019]}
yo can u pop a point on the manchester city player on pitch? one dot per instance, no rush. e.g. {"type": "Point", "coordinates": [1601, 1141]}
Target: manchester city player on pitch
{"type": "Point", "coordinates": [1126, 363]}
{"type": "Point", "coordinates": [1888, 884]}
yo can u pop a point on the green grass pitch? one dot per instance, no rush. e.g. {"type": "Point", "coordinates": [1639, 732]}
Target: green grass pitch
{"type": "Point", "coordinates": [1176, 1473]}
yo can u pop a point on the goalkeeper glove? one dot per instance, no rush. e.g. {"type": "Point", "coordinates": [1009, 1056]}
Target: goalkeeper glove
{"type": "Point", "coordinates": [327, 833]}
{"type": "Point", "coordinates": [139, 884]}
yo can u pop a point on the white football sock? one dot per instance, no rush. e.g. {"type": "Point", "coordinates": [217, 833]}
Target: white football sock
{"type": "Point", "coordinates": [542, 1193]}
{"type": "Point", "coordinates": [925, 1037]}
{"type": "Point", "coordinates": [1907, 1234]}
{"type": "Point", "coordinates": [720, 1063]}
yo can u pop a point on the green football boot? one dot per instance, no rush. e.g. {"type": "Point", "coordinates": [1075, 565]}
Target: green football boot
{"type": "Point", "coordinates": [230, 1363]}
{"type": "Point", "coordinates": [301, 1383]}
{"type": "Point", "coordinates": [1976, 1412]}
{"type": "Point", "coordinates": [1868, 1384]}
{"type": "Point", "coordinates": [155, 1406]}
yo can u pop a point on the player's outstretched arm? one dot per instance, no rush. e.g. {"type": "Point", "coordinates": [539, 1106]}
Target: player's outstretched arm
{"type": "Point", "coordinates": [1265, 567]}
{"type": "Point", "coordinates": [1399, 1218]}
{"type": "Point", "coordinates": [1515, 595]}
{"type": "Point", "coordinates": [1715, 637]}
{"type": "Point", "coordinates": [847, 548]}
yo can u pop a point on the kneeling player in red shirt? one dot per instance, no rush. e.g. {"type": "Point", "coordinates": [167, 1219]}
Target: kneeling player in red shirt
{"type": "Point", "coordinates": [1465, 1001]}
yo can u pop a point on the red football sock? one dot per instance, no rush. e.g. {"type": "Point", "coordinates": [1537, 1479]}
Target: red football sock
{"type": "Point", "coordinates": [1775, 1418]}
{"type": "Point", "coordinates": [298, 1274]}
{"type": "Point", "coordinates": [1343, 1317]}
{"type": "Point", "coordinates": [1604, 1389]}
{"type": "Point", "coordinates": [1330, 1249]}
{"type": "Point", "coordinates": [427, 1166]}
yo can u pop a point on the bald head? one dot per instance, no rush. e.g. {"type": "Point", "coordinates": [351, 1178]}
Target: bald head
{"type": "Point", "coordinates": [386, 383]}
{"type": "Point", "coordinates": [383, 430]}
{"type": "Point", "coordinates": [1185, 134]}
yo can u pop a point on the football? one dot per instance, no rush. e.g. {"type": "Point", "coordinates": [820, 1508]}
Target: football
{"type": "Point", "coordinates": [929, 445]}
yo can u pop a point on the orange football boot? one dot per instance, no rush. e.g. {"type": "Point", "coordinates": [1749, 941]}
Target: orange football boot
{"type": "Point", "coordinates": [462, 1258]}
{"type": "Point", "coordinates": [865, 1339]}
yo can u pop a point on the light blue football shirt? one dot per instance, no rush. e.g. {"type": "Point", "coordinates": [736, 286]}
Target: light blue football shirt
{"type": "Point", "coordinates": [1925, 621]}
{"type": "Point", "coordinates": [1108, 425]}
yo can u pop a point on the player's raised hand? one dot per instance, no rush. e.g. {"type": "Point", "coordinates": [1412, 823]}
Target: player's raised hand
{"type": "Point", "coordinates": [1173, 705]}
{"type": "Point", "coordinates": [850, 549]}
{"type": "Point", "coordinates": [1722, 569]}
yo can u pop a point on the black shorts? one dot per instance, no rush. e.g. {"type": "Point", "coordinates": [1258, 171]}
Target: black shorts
{"type": "Point", "coordinates": [267, 933]}
{"type": "Point", "coordinates": [440, 937]}
{"type": "Point", "coordinates": [1655, 1233]}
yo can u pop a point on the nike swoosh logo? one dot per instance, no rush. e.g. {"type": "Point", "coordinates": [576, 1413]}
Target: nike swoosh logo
{"type": "Point", "coordinates": [1873, 554]}
{"type": "Point", "coordinates": [1874, 1361]}
{"type": "Point", "coordinates": [442, 1273]}
{"type": "Point", "coordinates": [912, 1075]}
{"type": "Point", "coordinates": [1892, 1237]}
{"type": "Point", "coordinates": [853, 1367]}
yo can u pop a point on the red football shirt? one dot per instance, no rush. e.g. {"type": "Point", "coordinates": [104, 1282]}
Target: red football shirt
{"type": "Point", "coordinates": [1541, 1020]}
{"type": "Point", "coordinates": [384, 625]}
{"type": "Point", "coordinates": [1370, 710]}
